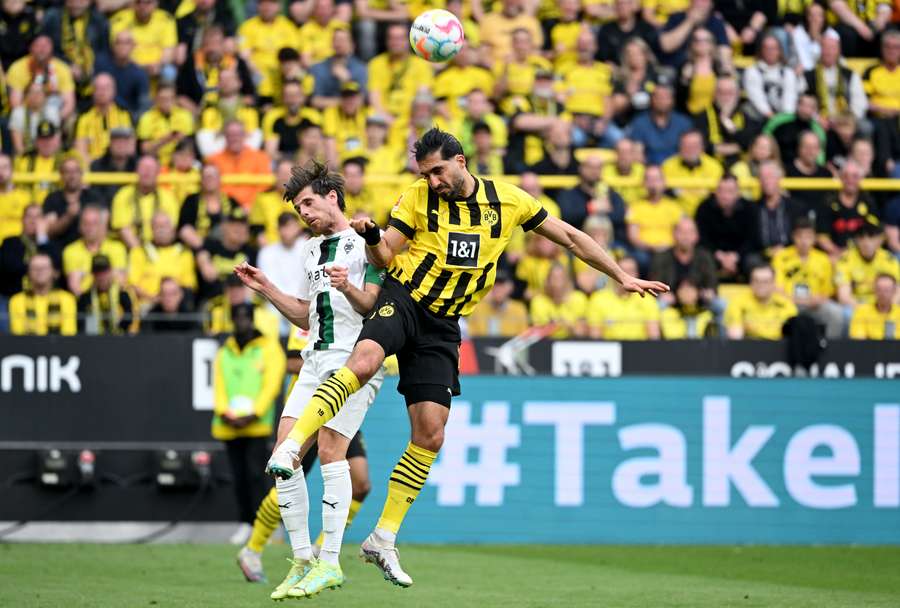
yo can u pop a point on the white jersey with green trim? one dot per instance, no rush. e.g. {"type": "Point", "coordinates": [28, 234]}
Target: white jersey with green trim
{"type": "Point", "coordinates": [333, 324]}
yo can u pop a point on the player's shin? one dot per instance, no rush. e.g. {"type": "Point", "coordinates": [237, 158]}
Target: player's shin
{"type": "Point", "coordinates": [325, 403]}
{"type": "Point", "coordinates": [293, 502]}
{"type": "Point", "coordinates": [336, 498]}
{"type": "Point", "coordinates": [406, 481]}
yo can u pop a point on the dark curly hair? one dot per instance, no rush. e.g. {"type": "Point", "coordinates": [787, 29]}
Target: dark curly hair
{"type": "Point", "coordinates": [317, 176]}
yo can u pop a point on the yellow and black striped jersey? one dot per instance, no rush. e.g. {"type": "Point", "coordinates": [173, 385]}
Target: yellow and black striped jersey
{"type": "Point", "coordinates": [451, 261]}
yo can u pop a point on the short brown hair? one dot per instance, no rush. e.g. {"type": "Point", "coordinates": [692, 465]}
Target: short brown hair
{"type": "Point", "coordinates": [317, 176]}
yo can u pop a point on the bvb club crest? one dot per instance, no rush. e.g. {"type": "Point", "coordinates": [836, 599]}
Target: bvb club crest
{"type": "Point", "coordinates": [386, 311]}
{"type": "Point", "coordinates": [490, 217]}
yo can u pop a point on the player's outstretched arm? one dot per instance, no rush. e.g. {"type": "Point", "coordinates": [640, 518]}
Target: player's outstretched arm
{"type": "Point", "coordinates": [380, 248]}
{"type": "Point", "coordinates": [294, 309]}
{"type": "Point", "coordinates": [584, 247]}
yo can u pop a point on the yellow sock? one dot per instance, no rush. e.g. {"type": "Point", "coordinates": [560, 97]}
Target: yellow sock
{"type": "Point", "coordinates": [326, 402]}
{"type": "Point", "coordinates": [267, 519]}
{"type": "Point", "coordinates": [355, 506]}
{"type": "Point", "coordinates": [406, 482]}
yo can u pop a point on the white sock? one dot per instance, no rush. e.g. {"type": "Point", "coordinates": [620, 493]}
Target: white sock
{"type": "Point", "coordinates": [386, 537]}
{"type": "Point", "coordinates": [335, 508]}
{"type": "Point", "coordinates": [293, 502]}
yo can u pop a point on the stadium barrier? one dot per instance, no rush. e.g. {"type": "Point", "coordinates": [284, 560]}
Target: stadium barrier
{"type": "Point", "coordinates": [399, 182]}
{"type": "Point", "coordinates": [531, 459]}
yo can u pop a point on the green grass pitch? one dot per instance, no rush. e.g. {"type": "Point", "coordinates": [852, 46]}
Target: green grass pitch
{"type": "Point", "coordinates": [161, 576]}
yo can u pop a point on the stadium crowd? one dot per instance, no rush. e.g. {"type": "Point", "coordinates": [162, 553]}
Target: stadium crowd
{"type": "Point", "coordinates": [630, 99]}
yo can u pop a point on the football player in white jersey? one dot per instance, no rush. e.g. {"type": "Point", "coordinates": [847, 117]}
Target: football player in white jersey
{"type": "Point", "coordinates": [337, 288]}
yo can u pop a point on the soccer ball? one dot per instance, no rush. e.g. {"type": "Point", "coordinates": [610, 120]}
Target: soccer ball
{"type": "Point", "coordinates": [436, 35]}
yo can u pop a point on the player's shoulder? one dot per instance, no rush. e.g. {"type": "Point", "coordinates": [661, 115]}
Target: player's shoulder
{"type": "Point", "coordinates": [506, 191]}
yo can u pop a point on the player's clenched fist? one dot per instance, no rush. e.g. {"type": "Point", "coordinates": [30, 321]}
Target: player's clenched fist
{"type": "Point", "coordinates": [339, 277]}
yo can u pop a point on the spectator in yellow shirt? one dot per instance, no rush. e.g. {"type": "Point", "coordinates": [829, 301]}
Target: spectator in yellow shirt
{"type": "Point", "coordinates": [626, 175]}
{"type": "Point", "coordinates": [564, 34]}
{"type": "Point", "coordinates": [880, 319]}
{"type": "Point", "coordinates": [155, 36]}
{"type": "Point", "coordinates": [651, 220]}
{"type": "Point", "coordinates": [805, 275]}
{"type": "Point", "coordinates": [163, 126]}
{"type": "Point", "coordinates": [534, 267]}
{"type": "Point", "coordinates": [344, 125]}
{"type": "Point", "coordinates": [688, 318]}
{"type": "Point", "coordinates": [396, 75]}
{"type": "Point", "coordinates": [162, 257]}
{"type": "Point", "coordinates": [498, 315]}
{"type": "Point", "coordinates": [94, 125]}
{"type": "Point", "coordinates": [618, 315]}
{"type": "Point", "coordinates": [361, 200]}
{"type": "Point", "coordinates": [317, 33]}
{"type": "Point", "coordinates": [761, 313]}
{"type": "Point", "coordinates": [587, 83]}
{"type": "Point", "coordinates": [858, 266]}
{"type": "Point", "coordinates": [229, 106]}
{"type": "Point", "coordinates": [370, 19]}
{"type": "Point", "coordinates": [135, 204]}
{"type": "Point", "coordinates": [384, 159]}
{"type": "Point", "coordinates": [94, 241]}
{"type": "Point", "coordinates": [560, 307]}
{"type": "Point", "coordinates": [261, 37]}
{"type": "Point", "coordinates": [515, 76]}
{"type": "Point", "coordinates": [41, 65]}
{"type": "Point", "coordinates": [460, 78]}
{"type": "Point", "coordinates": [498, 25]}
{"type": "Point", "coordinates": [13, 201]}
{"type": "Point", "coordinates": [692, 162]}
{"type": "Point", "coordinates": [42, 310]}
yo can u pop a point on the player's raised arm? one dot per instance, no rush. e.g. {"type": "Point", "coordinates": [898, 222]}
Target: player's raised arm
{"type": "Point", "coordinates": [380, 248]}
{"type": "Point", "coordinates": [584, 247]}
{"type": "Point", "coordinates": [362, 300]}
{"type": "Point", "coordinates": [294, 309]}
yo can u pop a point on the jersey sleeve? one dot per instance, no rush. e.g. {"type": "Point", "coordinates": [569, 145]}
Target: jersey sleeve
{"type": "Point", "coordinates": [531, 213]}
{"type": "Point", "coordinates": [374, 275]}
{"type": "Point", "coordinates": [403, 215]}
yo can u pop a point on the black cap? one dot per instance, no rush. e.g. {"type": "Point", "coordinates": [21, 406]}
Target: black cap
{"type": "Point", "coordinates": [350, 88]}
{"type": "Point", "coordinates": [100, 263]}
{"type": "Point", "coordinates": [238, 214]}
{"type": "Point", "coordinates": [46, 128]}
{"type": "Point", "coordinates": [121, 132]}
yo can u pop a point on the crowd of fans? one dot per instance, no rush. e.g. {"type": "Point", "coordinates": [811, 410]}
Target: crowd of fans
{"type": "Point", "coordinates": [628, 98]}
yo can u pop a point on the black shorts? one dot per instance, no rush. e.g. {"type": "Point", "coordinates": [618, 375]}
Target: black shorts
{"type": "Point", "coordinates": [356, 449]}
{"type": "Point", "coordinates": [426, 345]}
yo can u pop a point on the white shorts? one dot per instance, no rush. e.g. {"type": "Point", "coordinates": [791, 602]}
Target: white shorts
{"type": "Point", "coordinates": [317, 368]}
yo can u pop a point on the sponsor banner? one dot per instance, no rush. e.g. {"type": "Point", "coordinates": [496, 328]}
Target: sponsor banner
{"type": "Point", "coordinates": [668, 460]}
{"type": "Point", "coordinates": [739, 359]}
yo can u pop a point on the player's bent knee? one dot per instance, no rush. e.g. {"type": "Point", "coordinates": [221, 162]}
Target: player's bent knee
{"type": "Point", "coordinates": [430, 437]}
{"type": "Point", "coordinates": [366, 360]}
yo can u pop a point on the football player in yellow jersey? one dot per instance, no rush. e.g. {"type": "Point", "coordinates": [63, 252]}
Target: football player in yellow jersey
{"type": "Point", "coordinates": [441, 249]}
